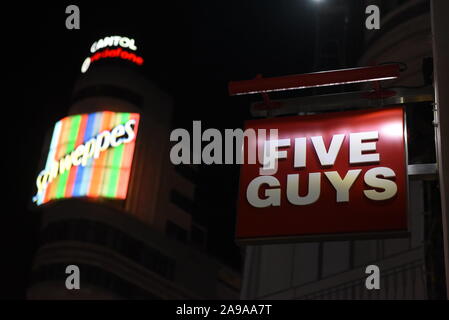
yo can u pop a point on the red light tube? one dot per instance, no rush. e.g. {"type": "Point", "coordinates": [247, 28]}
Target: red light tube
{"type": "Point", "coordinates": [316, 79]}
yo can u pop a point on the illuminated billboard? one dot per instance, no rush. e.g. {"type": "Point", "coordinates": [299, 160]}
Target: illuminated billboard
{"type": "Point", "coordinates": [337, 174]}
{"type": "Point", "coordinates": [90, 155]}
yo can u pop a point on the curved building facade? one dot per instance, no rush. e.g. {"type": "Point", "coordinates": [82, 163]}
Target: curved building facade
{"type": "Point", "coordinates": [124, 215]}
{"type": "Point", "coordinates": [405, 36]}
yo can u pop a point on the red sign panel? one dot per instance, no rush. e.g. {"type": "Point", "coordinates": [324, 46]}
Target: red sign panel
{"type": "Point", "coordinates": [331, 174]}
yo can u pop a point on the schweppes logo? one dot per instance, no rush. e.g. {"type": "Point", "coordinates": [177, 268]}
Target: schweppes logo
{"type": "Point", "coordinates": [90, 155]}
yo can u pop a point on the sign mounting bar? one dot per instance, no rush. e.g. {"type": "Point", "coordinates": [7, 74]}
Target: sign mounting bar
{"type": "Point", "coordinates": [316, 79]}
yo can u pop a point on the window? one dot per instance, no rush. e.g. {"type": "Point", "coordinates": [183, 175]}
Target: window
{"type": "Point", "coordinates": [198, 236]}
{"type": "Point", "coordinates": [176, 232]}
{"type": "Point", "coordinates": [96, 276]}
{"type": "Point", "coordinates": [101, 234]}
{"type": "Point", "coordinates": [186, 171]}
{"type": "Point", "coordinates": [181, 201]}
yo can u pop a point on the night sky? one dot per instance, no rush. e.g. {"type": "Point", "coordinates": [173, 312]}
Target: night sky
{"type": "Point", "coordinates": [191, 50]}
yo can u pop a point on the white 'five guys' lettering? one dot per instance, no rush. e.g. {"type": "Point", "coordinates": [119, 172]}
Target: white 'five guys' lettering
{"type": "Point", "coordinates": [362, 150]}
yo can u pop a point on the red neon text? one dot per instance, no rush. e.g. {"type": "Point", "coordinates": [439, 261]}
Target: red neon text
{"type": "Point", "coordinates": [117, 53]}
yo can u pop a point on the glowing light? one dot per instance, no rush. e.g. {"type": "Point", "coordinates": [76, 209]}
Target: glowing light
{"type": "Point", "coordinates": [90, 156]}
{"type": "Point", "coordinates": [315, 79]}
{"type": "Point", "coordinates": [85, 65]}
{"type": "Point", "coordinates": [115, 53]}
{"type": "Point", "coordinates": [394, 130]}
{"type": "Point", "coordinates": [314, 86]}
{"type": "Point", "coordinates": [113, 41]}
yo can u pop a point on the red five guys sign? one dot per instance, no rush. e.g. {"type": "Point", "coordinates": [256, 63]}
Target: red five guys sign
{"type": "Point", "coordinates": [334, 175]}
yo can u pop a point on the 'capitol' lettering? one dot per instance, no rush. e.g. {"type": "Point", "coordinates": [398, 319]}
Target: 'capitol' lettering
{"type": "Point", "coordinates": [122, 133]}
{"type": "Point", "coordinates": [113, 41]}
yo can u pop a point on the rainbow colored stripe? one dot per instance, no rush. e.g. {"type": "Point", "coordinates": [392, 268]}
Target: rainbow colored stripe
{"type": "Point", "coordinates": [107, 176]}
